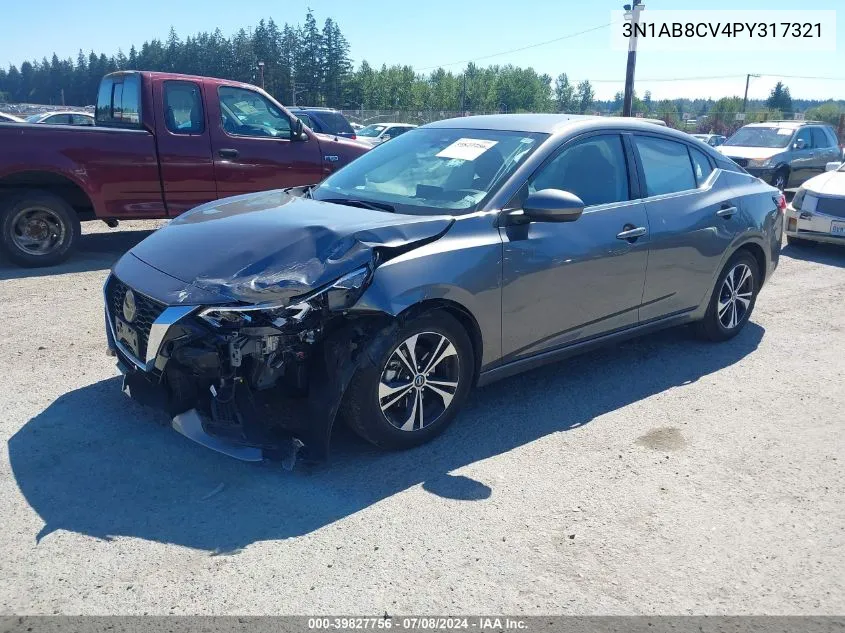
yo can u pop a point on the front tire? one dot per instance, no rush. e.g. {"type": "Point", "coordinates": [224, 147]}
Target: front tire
{"type": "Point", "coordinates": [780, 179]}
{"type": "Point", "coordinates": [38, 228]}
{"type": "Point", "coordinates": [415, 389]}
{"type": "Point", "coordinates": [733, 299]}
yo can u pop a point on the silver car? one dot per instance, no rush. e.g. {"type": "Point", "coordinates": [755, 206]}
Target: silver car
{"type": "Point", "coordinates": [462, 252]}
{"type": "Point", "coordinates": [783, 153]}
{"type": "Point", "coordinates": [817, 212]}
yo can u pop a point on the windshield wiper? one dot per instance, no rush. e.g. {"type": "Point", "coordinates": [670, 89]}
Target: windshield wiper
{"type": "Point", "coordinates": [364, 204]}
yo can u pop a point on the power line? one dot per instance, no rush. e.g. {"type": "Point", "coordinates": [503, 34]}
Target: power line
{"type": "Point", "coordinates": [523, 48]}
{"type": "Point", "coordinates": [711, 77]}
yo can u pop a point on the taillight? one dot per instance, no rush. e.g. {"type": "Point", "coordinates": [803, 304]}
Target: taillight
{"type": "Point", "coordinates": [780, 201]}
{"type": "Point", "coordinates": [353, 137]}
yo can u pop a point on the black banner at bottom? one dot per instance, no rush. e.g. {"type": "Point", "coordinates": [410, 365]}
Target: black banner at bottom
{"type": "Point", "coordinates": [438, 624]}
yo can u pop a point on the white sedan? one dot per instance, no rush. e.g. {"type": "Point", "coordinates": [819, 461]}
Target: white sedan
{"type": "Point", "coordinates": [817, 212]}
{"type": "Point", "coordinates": [378, 133]}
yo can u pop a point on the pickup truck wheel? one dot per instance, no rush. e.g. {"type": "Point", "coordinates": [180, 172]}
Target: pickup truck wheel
{"type": "Point", "coordinates": [38, 228]}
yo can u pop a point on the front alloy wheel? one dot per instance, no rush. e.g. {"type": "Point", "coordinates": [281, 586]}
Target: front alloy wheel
{"type": "Point", "coordinates": [419, 381]}
{"type": "Point", "coordinates": [415, 385]}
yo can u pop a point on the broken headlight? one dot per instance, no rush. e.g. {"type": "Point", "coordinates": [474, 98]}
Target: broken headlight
{"type": "Point", "coordinates": [339, 295]}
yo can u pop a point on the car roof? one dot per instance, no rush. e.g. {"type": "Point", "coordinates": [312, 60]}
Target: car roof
{"type": "Point", "coordinates": [312, 109]}
{"type": "Point", "coordinates": [555, 123]}
{"type": "Point", "coordinates": [785, 124]}
{"type": "Point", "coordinates": [46, 114]}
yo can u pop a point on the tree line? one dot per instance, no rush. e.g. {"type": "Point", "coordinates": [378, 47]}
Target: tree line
{"type": "Point", "coordinates": [305, 64]}
{"type": "Point", "coordinates": [302, 64]}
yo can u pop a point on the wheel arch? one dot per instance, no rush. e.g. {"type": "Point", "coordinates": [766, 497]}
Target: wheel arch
{"type": "Point", "coordinates": [66, 187]}
{"type": "Point", "coordinates": [461, 314]}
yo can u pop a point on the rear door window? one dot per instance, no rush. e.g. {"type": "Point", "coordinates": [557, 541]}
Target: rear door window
{"type": "Point", "coordinates": [820, 138]}
{"type": "Point", "coordinates": [666, 165]}
{"type": "Point", "coordinates": [78, 119]}
{"type": "Point", "coordinates": [183, 111]}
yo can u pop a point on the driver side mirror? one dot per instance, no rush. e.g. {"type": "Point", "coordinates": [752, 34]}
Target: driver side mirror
{"type": "Point", "coordinates": [296, 130]}
{"type": "Point", "coordinates": [552, 205]}
{"type": "Point", "coordinates": [800, 144]}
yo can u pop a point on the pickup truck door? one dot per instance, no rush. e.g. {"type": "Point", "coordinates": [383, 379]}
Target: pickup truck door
{"type": "Point", "coordinates": [184, 145]}
{"type": "Point", "coordinates": [252, 146]}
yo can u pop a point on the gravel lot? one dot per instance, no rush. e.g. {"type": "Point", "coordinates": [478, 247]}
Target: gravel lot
{"type": "Point", "coordinates": [662, 476]}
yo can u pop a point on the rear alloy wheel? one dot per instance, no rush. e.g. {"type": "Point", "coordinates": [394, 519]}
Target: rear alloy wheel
{"type": "Point", "coordinates": [733, 299]}
{"type": "Point", "coordinates": [418, 386]}
{"type": "Point", "coordinates": [38, 228]}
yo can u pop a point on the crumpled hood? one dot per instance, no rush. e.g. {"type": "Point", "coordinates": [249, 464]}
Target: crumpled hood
{"type": "Point", "coordinates": [271, 246]}
{"type": "Point", "coordinates": [737, 151]}
{"type": "Point", "coordinates": [831, 183]}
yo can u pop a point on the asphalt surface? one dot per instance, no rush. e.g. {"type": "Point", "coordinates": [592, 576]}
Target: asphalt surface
{"type": "Point", "coordinates": [665, 475]}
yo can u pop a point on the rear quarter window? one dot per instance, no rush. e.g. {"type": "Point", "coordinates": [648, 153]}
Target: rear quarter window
{"type": "Point", "coordinates": [119, 101]}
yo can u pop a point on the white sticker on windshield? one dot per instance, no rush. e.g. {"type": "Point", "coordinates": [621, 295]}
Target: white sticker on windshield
{"type": "Point", "coordinates": [785, 131]}
{"type": "Point", "coordinates": [466, 148]}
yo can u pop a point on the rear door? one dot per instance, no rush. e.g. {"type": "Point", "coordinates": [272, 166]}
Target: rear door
{"type": "Point", "coordinates": [252, 146]}
{"type": "Point", "coordinates": [826, 148]}
{"type": "Point", "coordinates": [184, 145]}
{"type": "Point", "coordinates": [803, 161]}
{"type": "Point", "coordinates": [693, 217]}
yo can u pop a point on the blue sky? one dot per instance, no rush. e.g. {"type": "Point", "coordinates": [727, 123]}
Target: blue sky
{"type": "Point", "coordinates": [426, 33]}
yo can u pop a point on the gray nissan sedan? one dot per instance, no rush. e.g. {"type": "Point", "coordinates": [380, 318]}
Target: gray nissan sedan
{"type": "Point", "coordinates": [460, 253]}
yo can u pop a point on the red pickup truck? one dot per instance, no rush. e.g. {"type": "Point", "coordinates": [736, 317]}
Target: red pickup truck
{"type": "Point", "coordinates": [162, 144]}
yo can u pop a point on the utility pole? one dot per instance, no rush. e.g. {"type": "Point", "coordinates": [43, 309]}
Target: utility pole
{"type": "Point", "coordinates": [632, 11]}
{"type": "Point", "coordinates": [745, 99]}
{"type": "Point", "coordinates": [463, 93]}
{"type": "Point", "coordinates": [261, 70]}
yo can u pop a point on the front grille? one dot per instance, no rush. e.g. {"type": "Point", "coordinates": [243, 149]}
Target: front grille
{"type": "Point", "coordinates": [831, 206]}
{"type": "Point", "coordinates": [742, 162]}
{"type": "Point", "coordinates": [148, 310]}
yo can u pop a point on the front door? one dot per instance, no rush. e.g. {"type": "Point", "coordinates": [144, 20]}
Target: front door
{"type": "Point", "coordinates": [252, 146]}
{"type": "Point", "coordinates": [694, 215]}
{"type": "Point", "coordinates": [566, 282]}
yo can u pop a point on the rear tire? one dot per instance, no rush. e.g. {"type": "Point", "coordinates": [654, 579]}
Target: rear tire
{"type": "Point", "coordinates": [393, 408]}
{"type": "Point", "coordinates": [38, 228]}
{"type": "Point", "coordinates": [733, 299]}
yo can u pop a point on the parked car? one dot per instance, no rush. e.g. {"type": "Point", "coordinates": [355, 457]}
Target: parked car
{"type": "Point", "coordinates": [817, 211]}
{"type": "Point", "coordinates": [356, 126]}
{"type": "Point", "coordinates": [783, 153]}
{"type": "Point", "coordinates": [324, 121]}
{"type": "Point", "coordinates": [9, 118]}
{"type": "Point", "coordinates": [163, 144]}
{"type": "Point", "coordinates": [462, 252]}
{"type": "Point", "coordinates": [62, 118]}
{"type": "Point", "coordinates": [378, 133]}
{"type": "Point", "coordinates": [713, 140]}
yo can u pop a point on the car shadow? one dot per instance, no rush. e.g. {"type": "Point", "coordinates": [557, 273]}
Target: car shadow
{"type": "Point", "coordinates": [96, 251]}
{"type": "Point", "coordinates": [94, 462]}
{"type": "Point", "coordinates": [827, 254]}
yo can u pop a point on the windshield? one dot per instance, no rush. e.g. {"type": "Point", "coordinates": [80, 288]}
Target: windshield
{"type": "Point", "coordinates": [432, 170]}
{"type": "Point", "coordinates": [761, 137]}
{"type": "Point", "coordinates": [371, 130]}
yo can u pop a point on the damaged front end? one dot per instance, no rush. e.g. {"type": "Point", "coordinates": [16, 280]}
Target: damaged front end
{"type": "Point", "coordinates": [251, 381]}
{"type": "Point", "coordinates": [236, 319]}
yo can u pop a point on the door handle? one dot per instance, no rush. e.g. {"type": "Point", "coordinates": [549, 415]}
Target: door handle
{"type": "Point", "coordinates": [631, 232]}
{"type": "Point", "coordinates": [227, 153]}
{"type": "Point", "coordinates": [726, 212]}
